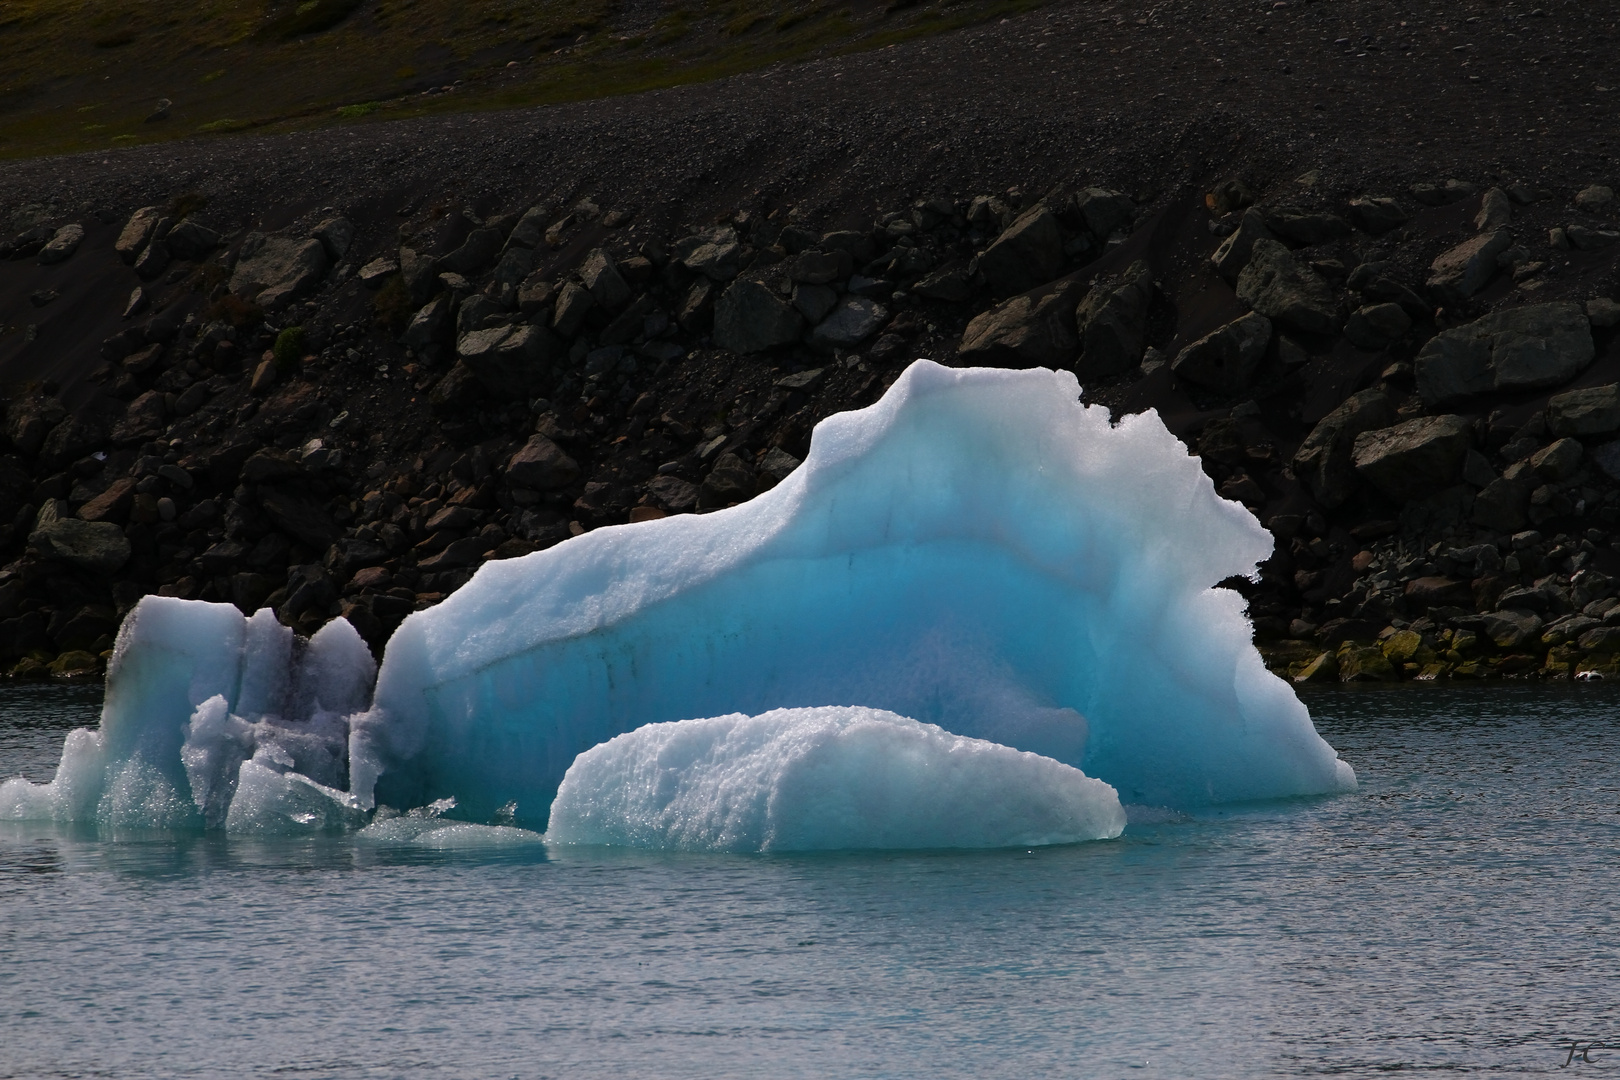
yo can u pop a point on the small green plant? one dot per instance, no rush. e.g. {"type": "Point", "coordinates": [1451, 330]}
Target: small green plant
{"type": "Point", "coordinates": [186, 204]}
{"type": "Point", "coordinates": [233, 309]}
{"type": "Point", "coordinates": [355, 112]}
{"type": "Point", "coordinates": [743, 23]}
{"type": "Point", "coordinates": [289, 349]}
{"type": "Point", "coordinates": [218, 126]}
{"type": "Point", "coordinates": [212, 75]}
{"type": "Point", "coordinates": [392, 305]}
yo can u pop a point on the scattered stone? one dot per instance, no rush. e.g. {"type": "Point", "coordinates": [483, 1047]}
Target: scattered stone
{"type": "Point", "coordinates": [1325, 459]}
{"type": "Point", "coordinates": [1511, 629]}
{"type": "Point", "coordinates": [1111, 321]}
{"type": "Point", "coordinates": [508, 359]}
{"type": "Point", "coordinates": [97, 546]}
{"type": "Point", "coordinates": [1105, 212]}
{"type": "Point", "coordinates": [1594, 410]}
{"type": "Point", "coordinates": [1603, 312]}
{"type": "Point", "coordinates": [573, 304]}
{"type": "Point", "coordinates": [1495, 211]}
{"type": "Point", "coordinates": [541, 465]}
{"type": "Point", "coordinates": [1234, 253]}
{"type": "Point", "coordinates": [814, 301]}
{"type": "Point", "coordinates": [601, 276]}
{"type": "Point", "coordinates": [191, 240]}
{"type": "Point", "coordinates": [750, 318]}
{"type": "Point", "coordinates": [714, 253]}
{"type": "Point", "coordinates": [1589, 239]}
{"type": "Point", "coordinates": [476, 252]}
{"type": "Point", "coordinates": [377, 271]}
{"type": "Point", "coordinates": [1305, 228]}
{"type": "Point", "coordinates": [335, 235]}
{"type": "Point", "coordinates": [62, 244]}
{"type": "Point", "coordinates": [851, 322]}
{"type": "Point", "coordinates": [1377, 326]}
{"type": "Point", "coordinates": [1594, 199]}
{"type": "Point", "coordinates": [273, 270]}
{"type": "Point", "coordinates": [1520, 348]}
{"type": "Point", "coordinates": [1227, 359]}
{"type": "Point", "coordinates": [1035, 329]}
{"type": "Point", "coordinates": [1459, 273]}
{"type": "Point", "coordinates": [950, 285]}
{"type": "Point", "coordinates": [137, 232]}
{"type": "Point", "coordinates": [1376, 216]}
{"type": "Point", "coordinates": [1278, 287]}
{"type": "Point", "coordinates": [1558, 461]}
{"type": "Point", "coordinates": [1027, 254]}
{"type": "Point", "coordinates": [1413, 459]}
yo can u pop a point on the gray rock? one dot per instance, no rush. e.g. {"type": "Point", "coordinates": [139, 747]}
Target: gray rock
{"type": "Point", "coordinates": [601, 275]}
{"type": "Point", "coordinates": [1035, 329]}
{"type": "Point", "coordinates": [1376, 216]}
{"type": "Point", "coordinates": [814, 301]}
{"type": "Point", "coordinates": [1413, 459]}
{"type": "Point", "coordinates": [1601, 639]}
{"type": "Point", "coordinates": [820, 267]}
{"type": "Point", "coordinates": [1026, 255]}
{"type": "Point", "coordinates": [479, 312]}
{"type": "Point", "coordinates": [1304, 228]}
{"type": "Point", "coordinates": [1511, 629]}
{"type": "Point", "coordinates": [137, 232]}
{"type": "Point", "coordinates": [697, 306]}
{"type": "Point", "coordinates": [429, 328]}
{"type": "Point", "coordinates": [950, 284]}
{"type": "Point", "coordinates": [777, 464]}
{"type": "Point", "coordinates": [1595, 198]}
{"type": "Point", "coordinates": [1377, 326]}
{"type": "Point", "coordinates": [714, 253]}
{"type": "Point", "coordinates": [1588, 239]}
{"type": "Point", "coordinates": [508, 359]}
{"type": "Point", "coordinates": [676, 494]}
{"type": "Point", "coordinates": [531, 227]}
{"type": "Point", "coordinates": [335, 235]}
{"type": "Point", "coordinates": [750, 318]}
{"type": "Point", "coordinates": [1607, 458]}
{"type": "Point", "coordinates": [1226, 360]}
{"type": "Point", "coordinates": [1477, 470]}
{"type": "Point", "coordinates": [1277, 286]}
{"type": "Point", "coordinates": [62, 244]}
{"type": "Point", "coordinates": [1495, 211]}
{"type": "Point", "coordinates": [475, 252]}
{"type": "Point", "coordinates": [377, 271]}
{"type": "Point", "coordinates": [1104, 212]}
{"type": "Point", "coordinates": [730, 481]}
{"type": "Point", "coordinates": [421, 274]}
{"type": "Point", "coordinates": [516, 264]}
{"type": "Point", "coordinates": [97, 546]}
{"type": "Point", "coordinates": [1503, 504]}
{"type": "Point", "coordinates": [1521, 348]}
{"type": "Point", "coordinates": [1234, 253]}
{"type": "Point", "coordinates": [541, 465]}
{"type": "Point", "coordinates": [1594, 410]}
{"type": "Point", "coordinates": [1558, 461]}
{"type": "Point", "coordinates": [191, 240]}
{"type": "Point", "coordinates": [851, 322]}
{"type": "Point", "coordinates": [1459, 273]}
{"type": "Point", "coordinates": [573, 304]}
{"type": "Point", "coordinates": [273, 270]}
{"type": "Point", "coordinates": [1111, 321]}
{"type": "Point", "coordinates": [154, 260]}
{"type": "Point", "coordinates": [1603, 312]}
{"type": "Point", "coordinates": [629, 323]}
{"type": "Point", "coordinates": [142, 420]}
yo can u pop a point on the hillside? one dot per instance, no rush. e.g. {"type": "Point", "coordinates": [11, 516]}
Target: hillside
{"type": "Point", "coordinates": [78, 76]}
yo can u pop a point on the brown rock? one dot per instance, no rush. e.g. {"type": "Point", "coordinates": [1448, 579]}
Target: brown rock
{"type": "Point", "coordinates": [541, 465]}
{"type": "Point", "coordinates": [112, 504]}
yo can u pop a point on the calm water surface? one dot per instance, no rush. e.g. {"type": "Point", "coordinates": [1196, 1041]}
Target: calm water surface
{"type": "Point", "coordinates": [1457, 915]}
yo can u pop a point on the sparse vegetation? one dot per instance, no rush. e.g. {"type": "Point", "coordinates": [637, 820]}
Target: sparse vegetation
{"type": "Point", "coordinates": [392, 305]}
{"type": "Point", "coordinates": [298, 63]}
{"type": "Point", "coordinates": [289, 349]}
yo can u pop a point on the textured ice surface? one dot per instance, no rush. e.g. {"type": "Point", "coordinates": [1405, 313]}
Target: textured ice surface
{"type": "Point", "coordinates": [976, 550]}
{"type": "Point", "coordinates": [213, 720]}
{"type": "Point", "coordinates": [823, 779]}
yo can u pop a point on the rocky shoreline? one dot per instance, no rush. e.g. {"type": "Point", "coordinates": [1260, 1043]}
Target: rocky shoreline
{"type": "Point", "coordinates": [1416, 389]}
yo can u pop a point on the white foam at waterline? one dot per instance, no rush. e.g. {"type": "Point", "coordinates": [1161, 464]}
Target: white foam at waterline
{"type": "Point", "coordinates": [823, 779]}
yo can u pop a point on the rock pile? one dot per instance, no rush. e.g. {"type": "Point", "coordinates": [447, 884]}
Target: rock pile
{"type": "Point", "coordinates": [339, 419]}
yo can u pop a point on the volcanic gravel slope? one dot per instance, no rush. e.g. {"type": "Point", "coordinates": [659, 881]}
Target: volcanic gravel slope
{"type": "Point", "coordinates": [1313, 103]}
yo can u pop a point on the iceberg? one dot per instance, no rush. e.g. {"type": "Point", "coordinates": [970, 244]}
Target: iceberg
{"type": "Point", "coordinates": [832, 778]}
{"type": "Point", "coordinates": [977, 551]}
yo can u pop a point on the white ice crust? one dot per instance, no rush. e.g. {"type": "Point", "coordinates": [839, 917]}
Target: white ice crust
{"type": "Point", "coordinates": [976, 551]}
{"type": "Point", "coordinates": [832, 778]}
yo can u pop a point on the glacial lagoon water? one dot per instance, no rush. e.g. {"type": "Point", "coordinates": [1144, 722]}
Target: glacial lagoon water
{"type": "Point", "coordinates": [1455, 915]}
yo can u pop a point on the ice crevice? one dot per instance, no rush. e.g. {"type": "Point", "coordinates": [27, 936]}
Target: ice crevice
{"type": "Point", "coordinates": [977, 578]}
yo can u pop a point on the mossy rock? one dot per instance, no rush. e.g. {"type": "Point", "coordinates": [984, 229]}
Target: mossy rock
{"type": "Point", "coordinates": [31, 667]}
{"type": "Point", "coordinates": [1432, 672]}
{"type": "Point", "coordinates": [1325, 668]}
{"type": "Point", "coordinates": [1473, 669]}
{"type": "Point", "coordinates": [75, 664]}
{"type": "Point", "coordinates": [1402, 646]}
{"type": "Point", "coordinates": [1364, 663]}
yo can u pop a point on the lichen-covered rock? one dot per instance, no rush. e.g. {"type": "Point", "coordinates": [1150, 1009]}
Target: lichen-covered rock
{"type": "Point", "coordinates": [507, 359]}
{"type": "Point", "coordinates": [1462, 271]}
{"type": "Point", "coordinates": [1034, 329]}
{"type": "Point", "coordinates": [1594, 410]}
{"type": "Point", "coordinates": [1413, 459]}
{"type": "Point", "coordinates": [1111, 321]}
{"type": "Point", "coordinates": [749, 318]}
{"type": "Point", "coordinates": [1324, 460]}
{"type": "Point", "coordinates": [97, 546]}
{"type": "Point", "coordinates": [1521, 348]}
{"type": "Point", "coordinates": [1227, 359]}
{"type": "Point", "coordinates": [1277, 286]}
{"type": "Point", "coordinates": [1364, 663]}
{"type": "Point", "coordinates": [1027, 254]}
{"type": "Point", "coordinates": [273, 270]}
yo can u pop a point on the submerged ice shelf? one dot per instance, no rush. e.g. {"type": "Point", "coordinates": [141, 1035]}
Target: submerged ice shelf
{"type": "Point", "coordinates": [976, 551]}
